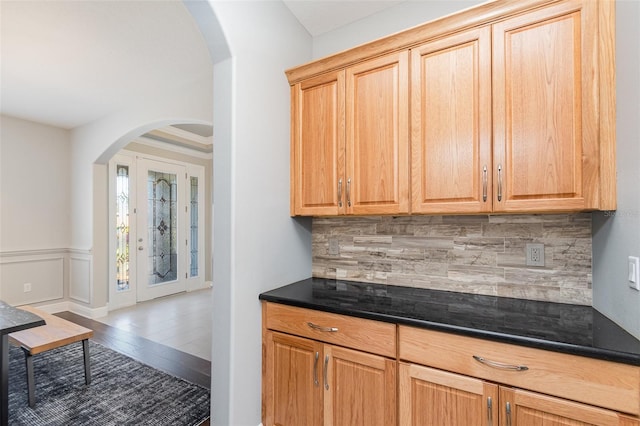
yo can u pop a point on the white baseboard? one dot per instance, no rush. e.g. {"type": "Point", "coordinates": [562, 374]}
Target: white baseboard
{"type": "Point", "coordinates": [76, 308]}
{"type": "Point", "coordinates": [88, 312]}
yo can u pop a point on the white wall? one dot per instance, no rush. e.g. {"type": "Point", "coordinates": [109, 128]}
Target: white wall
{"type": "Point", "coordinates": [34, 186]}
{"type": "Point", "coordinates": [617, 235]}
{"type": "Point", "coordinates": [257, 246]}
{"type": "Point", "coordinates": [34, 210]}
{"type": "Point", "coordinates": [398, 18]}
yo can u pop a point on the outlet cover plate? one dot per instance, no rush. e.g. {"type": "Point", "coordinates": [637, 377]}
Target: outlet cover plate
{"type": "Point", "coordinates": [535, 254]}
{"type": "Point", "coordinates": [334, 246]}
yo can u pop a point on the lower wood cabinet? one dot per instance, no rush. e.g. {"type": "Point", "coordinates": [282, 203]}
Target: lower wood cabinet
{"type": "Point", "coordinates": [326, 369]}
{"type": "Point", "coordinates": [432, 397]}
{"type": "Point", "coordinates": [311, 379]}
{"type": "Point", "coordinates": [292, 392]}
{"type": "Point", "coordinates": [310, 383]}
{"type": "Point", "coordinates": [523, 408]}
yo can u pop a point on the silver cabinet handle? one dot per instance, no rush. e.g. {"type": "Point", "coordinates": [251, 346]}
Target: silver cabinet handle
{"type": "Point", "coordinates": [340, 193]}
{"type": "Point", "coordinates": [349, 192]}
{"type": "Point", "coordinates": [326, 367]}
{"type": "Point", "coordinates": [140, 248]}
{"type": "Point", "coordinates": [508, 410]}
{"type": "Point", "coordinates": [484, 184]}
{"type": "Point", "coordinates": [500, 365]}
{"type": "Point", "coordinates": [499, 182]}
{"type": "Point", "coordinates": [321, 328]}
{"type": "Point", "coordinates": [489, 410]}
{"type": "Point", "coordinates": [315, 370]}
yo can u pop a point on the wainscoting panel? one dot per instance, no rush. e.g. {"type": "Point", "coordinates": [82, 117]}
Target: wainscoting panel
{"type": "Point", "coordinates": [42, 270]}
{"type": "Point", "coordinates": [80, 277]}
{"type": "Point", "coordinates": [470, 254]}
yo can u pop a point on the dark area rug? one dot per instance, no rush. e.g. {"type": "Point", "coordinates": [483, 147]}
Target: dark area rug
{"type": "Point", "coordinates": [123, 391]}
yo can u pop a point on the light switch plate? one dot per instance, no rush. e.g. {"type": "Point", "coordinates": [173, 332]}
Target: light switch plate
{"type": "Point", "coordinates": [634, 272]}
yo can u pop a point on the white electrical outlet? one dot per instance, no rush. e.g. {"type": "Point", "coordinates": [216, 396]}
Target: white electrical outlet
{"type": "Point", "coordinates": [27, 287]}
{"type": "Point", "coordinates": [535, 254]}
{"type": "Point", "coordinates": [634, 272]}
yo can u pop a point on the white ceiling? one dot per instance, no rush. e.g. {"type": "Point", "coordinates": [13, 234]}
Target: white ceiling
{"type": "Point", "coordinates": [321, 16]}
{"type": "Point", "coordinates": [67, 63]}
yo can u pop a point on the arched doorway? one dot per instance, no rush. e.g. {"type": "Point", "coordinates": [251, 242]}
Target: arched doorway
{"type": "Point", "coordinates": [160, 212]}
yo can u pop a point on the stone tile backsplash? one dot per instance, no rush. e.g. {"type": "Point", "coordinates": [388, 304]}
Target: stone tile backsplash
{"type": "Point", "coordinates": [471, 254]}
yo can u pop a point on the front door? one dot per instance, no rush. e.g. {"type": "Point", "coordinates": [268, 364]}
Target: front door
{"type": "Point", "coordinates": [161, 216]}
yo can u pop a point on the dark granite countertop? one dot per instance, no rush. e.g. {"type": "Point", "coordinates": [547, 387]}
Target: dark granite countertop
{"type": "Point", "coordinates": [572, 329]}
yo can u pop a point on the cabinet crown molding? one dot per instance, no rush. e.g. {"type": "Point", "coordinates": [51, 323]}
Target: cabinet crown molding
{"type": "Point", "coordinates": [482, 14]}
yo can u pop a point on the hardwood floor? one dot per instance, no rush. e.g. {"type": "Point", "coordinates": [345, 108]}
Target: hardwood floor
{"type": "Point", "coordinates": [182, 321]}
{"type": "Point", "coordinates": [172, 361]}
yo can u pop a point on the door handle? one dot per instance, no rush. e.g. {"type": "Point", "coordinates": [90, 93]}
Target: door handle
{"type": "Point", "coordinates": [315, 370]}
{"type": "Point", "coordinates": [499, 182]}
{"type": "Point", "coordinates": [326, 367]}
{"type": "Point", "coordinates": [140, 248]}
{"type": "Point", "coordinates": [484, 183]}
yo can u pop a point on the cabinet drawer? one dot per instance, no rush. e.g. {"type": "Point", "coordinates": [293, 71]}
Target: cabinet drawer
{"type": "Point", "coordinates": [592, 381]}
{"type": "Point", "coordinates": [357, 333]}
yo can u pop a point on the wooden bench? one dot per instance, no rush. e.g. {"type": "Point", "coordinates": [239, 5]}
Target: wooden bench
{"type": "Point", "coordinates": [56, 333]}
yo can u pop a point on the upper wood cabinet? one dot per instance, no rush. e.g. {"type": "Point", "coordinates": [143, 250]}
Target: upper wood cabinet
{"type": "Point", "coordinates": [512, 110]}
{"type": "Point", "coordinates": [545, 121]}
{"type": "Point", "coordinates": [349, 153]}
{"type": "Point", "coordinates": [317, 145]}
{"type": "Point", "coordinates": [451, 124]}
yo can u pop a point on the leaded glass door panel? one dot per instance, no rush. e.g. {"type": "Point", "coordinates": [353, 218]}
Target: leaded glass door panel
{"type": "Point", "coordinates": [161, 220]}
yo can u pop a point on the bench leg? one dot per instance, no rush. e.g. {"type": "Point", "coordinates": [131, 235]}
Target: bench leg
{"type": "Point", "coordinates": [87, 361]}
{"type": "Point", "coordinates": [31, 385]}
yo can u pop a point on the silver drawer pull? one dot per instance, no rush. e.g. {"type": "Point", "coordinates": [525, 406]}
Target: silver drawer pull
{"type": "Point", "coordinates": [321, 328]}
{"type": "Point", "coordinates": [500, 365]}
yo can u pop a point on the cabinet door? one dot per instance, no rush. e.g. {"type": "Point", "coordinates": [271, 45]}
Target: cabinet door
{"type": "Point", "coordinates": [451, 124]}
{"type": "Point", "coordinates": [523, 408]}
{"type": "Point", "coordinates": [430, 397]}
{"type": "Point", "coordinates": [317, 162]}
{"type": "Point", "coordinates": [377, 135]}
{"type": "Point", "coordinates": [293, 389]}
{"type": "Point", "coordinates": [545, 112]}
{"type": "Point", "coordinates": [360, 388]}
